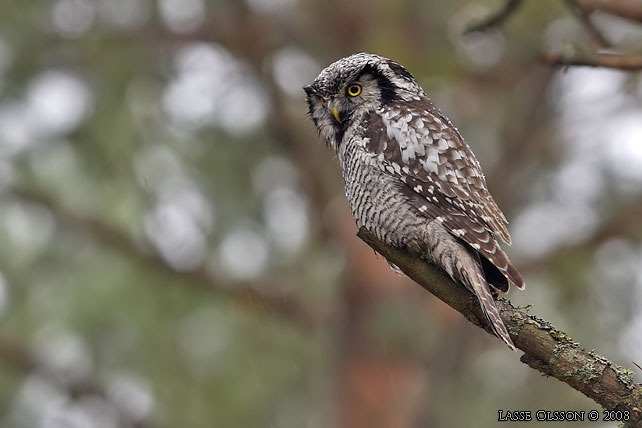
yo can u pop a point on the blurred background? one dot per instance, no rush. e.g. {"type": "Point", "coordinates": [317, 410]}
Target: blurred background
{"type": "Point", "coordinates": [176, 249]}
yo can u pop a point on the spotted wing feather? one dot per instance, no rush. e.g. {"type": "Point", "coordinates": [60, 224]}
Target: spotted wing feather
{"type": "Point", "coordinates": [442, 178]}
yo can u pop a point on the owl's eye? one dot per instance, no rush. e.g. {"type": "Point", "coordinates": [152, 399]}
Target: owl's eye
{"type": "Point", "coordinates": [322, 102]}
{"type": "Point", "coordinates": [354, 90]}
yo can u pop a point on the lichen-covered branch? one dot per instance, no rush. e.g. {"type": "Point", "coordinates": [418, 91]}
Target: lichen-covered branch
{"type": "Point", "coordinates": [545, 348]}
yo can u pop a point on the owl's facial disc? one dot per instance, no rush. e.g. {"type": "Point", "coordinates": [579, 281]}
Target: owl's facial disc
{"type": "Point", "coordinates": [352, 87]}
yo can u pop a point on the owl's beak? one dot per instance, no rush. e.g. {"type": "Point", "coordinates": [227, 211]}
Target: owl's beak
{"type": "Point", "coordinates": [335, 113]}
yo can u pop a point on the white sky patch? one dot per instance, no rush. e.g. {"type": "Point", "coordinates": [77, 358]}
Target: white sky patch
{"type": "Point", "coordinates": [7, 174]}
{"type": "Point", "coordinates": [559, 32]}
{"type": "Point", "coordinates": [55, 103]}
{"type": "Point", "coordinates": [293, 68]}
{"type": "Point", "coordinates": [616, 260]}
{"type": "Point", "coordinates": [182, 15]}
{"type": "Point", "coordinates": [618, 31]}
{"type": "Point", "coordinates": [35, 400]}
{"type": "Point", "coordinates": [87, 412]}
{"type": "Point", "coordinates": [602, 132]}
{"type": "Point", "coordinates": [155, 164]}
{"type": "Point", "coordinates": [63, 352]}
{"type": "Point", "coordinates": [124, 13]}
{"type": "Point", "coordinates": [615, 272]}
{"type": "Point", "coordinates": [181, 192]}
{"type": "Point", "coordinates": [245, 108]}
{"type": "Point", "coordinates": [176, 237]}
{"type": "Point", "coordinates": [132, 394]}
{"type": "Point", "coordinates": [4, 294]}
{"type": "Point", "coordinates": [179, 223]}
{"type": "Point", "coordinates": [28, 227]}
{"type": "Point", "coordinates": [190, 99]}
{"type": "Point", "coordinates": [276, 7]}
{"type": "Point", "coordinates": [618, 264]}
{"type": "Point", "coordinates": [631, 340]}
{"type": "Point", "coordinates": [54, 163]}
{"type": "Point", "coordinates": [274, 171]}
{"type": "Point", "coordinates": [244, 253]}
{"type": "Point", "coordinates": [202, 337]}
{"type": "Point", "coordinates": [544, 226]}
{"type": "Point", "coordinates": [58, 102]}
{"type": "Point", "coordinates": [624, 147]}
{"type": "Point", "coordinates": [286, 218]}
{"type": "Point", "coordinates": [72, 18]}
{"type": "Point", "coordinates": [578, 181]}
{"type": "Point", "coordinates": [211, 87]}
{"type": "Point", "coordinates": [500, 366]}
{"type": "Point", "coordinates": [586, 98]}
{"type": "Point", "coordinates": [206, 58]}
{"type": "Point", "coordinates": [15, 132]}
{"type": "Point", "coordinates": [480, 50]}
{"type": "Point", "coordinates": [285, 207]}
{"type": "Point", "coordinates": [599, 125]}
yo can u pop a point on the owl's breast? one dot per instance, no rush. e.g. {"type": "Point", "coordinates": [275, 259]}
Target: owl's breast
{"type": "Point", "coordinates": [375, 197]}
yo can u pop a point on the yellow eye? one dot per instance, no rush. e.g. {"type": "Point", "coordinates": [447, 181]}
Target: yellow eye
{"type": "Point", "coordinates": [354, 90]}
{"type": "Point", "coordinates": [322, 102]}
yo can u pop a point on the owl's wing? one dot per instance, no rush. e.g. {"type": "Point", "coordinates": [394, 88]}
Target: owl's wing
{"type": "Point", "coordinates": [442, 176]}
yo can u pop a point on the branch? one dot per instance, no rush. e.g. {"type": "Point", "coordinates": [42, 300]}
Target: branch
{"type": "Point", "coordinates": [496, 19]}
{"type": "Point", "coordinates": [618, 62]}
{"type": "Point", "coordinates": [114, 239]}
{"type": "Point", "coordinates": [546, 349]}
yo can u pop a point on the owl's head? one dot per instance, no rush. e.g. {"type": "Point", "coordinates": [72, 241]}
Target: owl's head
{"type": "Point", "coordinates": [352, 86]}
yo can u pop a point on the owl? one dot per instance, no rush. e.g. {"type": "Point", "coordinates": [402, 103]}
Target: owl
{"type": "Point", "coordinates": [409, 176]}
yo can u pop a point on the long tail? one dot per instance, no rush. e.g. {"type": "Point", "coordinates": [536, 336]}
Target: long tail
{"type": "Point", "coordinates": [464, 265]}
{"type": "Point", "coordinates": [481, 289]}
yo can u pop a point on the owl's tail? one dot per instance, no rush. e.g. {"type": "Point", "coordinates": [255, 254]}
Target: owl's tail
{"type": "Point", "coordinates": [470, 273]}
{"type": "Point", "coordinates": [481, 289]}
{"type": "Point", "coordinates": [464, 265]}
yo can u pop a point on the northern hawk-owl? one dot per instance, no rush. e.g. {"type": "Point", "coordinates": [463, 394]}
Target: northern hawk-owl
{"type": "Point", "coordinates": [409, 176]}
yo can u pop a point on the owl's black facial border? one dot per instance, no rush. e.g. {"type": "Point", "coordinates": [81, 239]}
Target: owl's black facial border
{"type": "Point", "coordinates": [311, 93]}
{"type": "Point", "coordinates": [386, 87]}
{"type": "Point", "coordinates": [400, 70]}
